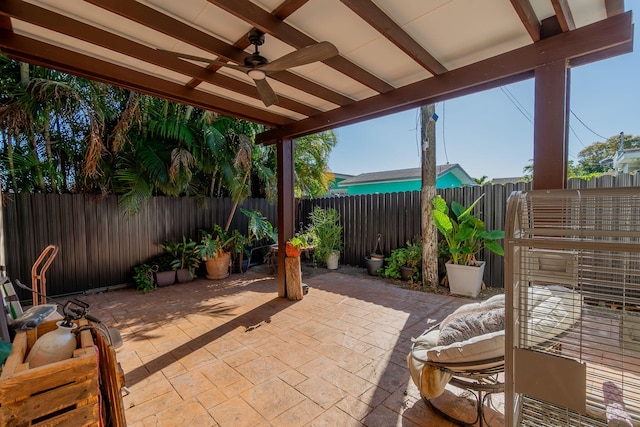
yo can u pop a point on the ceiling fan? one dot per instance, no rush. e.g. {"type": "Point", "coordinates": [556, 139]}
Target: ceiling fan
{"type": "Point", "coordinates": [258, 67]}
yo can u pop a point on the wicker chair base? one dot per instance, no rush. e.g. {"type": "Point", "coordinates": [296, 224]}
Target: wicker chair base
{"type": "Point", "coordinates": [482, 391]}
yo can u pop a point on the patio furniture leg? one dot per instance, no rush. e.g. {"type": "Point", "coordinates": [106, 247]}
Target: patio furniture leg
{"type": "Point", "coordinates": [480, 416]}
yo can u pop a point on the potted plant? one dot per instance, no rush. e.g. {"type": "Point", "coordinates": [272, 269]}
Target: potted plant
{"type": "Point", "coordinates": [413, 260]}
{"type": "Point", "coordinates": [465, 237]}
{"type": "Point", "coordinates": [164, 273]}
{"type": "Point", "coordinates": [325, 223]}
{"type": "Point", "coordinates": [143, 278]}
{"type": "Point", "coordinates": [395, 261]}
{"type": "Point", "coordinates": [403, 262]}
{"type": "Point", "coordinates": [186, 258]}
{"type": "Point", "coordinates": [376, 260]}
{"type": "Point", "coordinates": [215, 250]}
{"type": "Point", "coordinates": [300, 242]}
{"type": "Point", "coordinates": [259, 230]}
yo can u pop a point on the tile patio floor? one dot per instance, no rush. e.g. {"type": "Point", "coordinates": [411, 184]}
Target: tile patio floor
{"type": "Point", "coordinates": [231, 353]}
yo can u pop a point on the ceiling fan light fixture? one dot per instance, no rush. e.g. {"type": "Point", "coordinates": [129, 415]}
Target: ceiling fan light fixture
{"type": "Point", "coordinates": [256, 74]}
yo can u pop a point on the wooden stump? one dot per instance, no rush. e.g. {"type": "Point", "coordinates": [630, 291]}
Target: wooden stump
{"type": "Point", "coordinates": [293, 278]}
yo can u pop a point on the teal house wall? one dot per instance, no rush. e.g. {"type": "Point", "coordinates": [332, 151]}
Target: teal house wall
{"type": "Point", "coordinates": [384, 187]}
{"type": "Point", "coordinates": [334, 183]}
{"type": "Point", "coordinates": [395, 181]}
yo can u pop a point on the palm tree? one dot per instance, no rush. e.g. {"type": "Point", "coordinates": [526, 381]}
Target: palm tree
{"type": "Point", "coordinates": [483, 180]}
{"type": "Point", "coordinates": [63, 133]}
{"type": "Point", "coordinates": [311, 157]}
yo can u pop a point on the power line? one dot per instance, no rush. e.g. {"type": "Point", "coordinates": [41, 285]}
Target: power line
{"type": "Point", "coordinates": [517, 104]}
{"type": "Point", "coordinates": [585, 125]}
{"type": "Point", "coordinates": [525, 112]}
{"type": "Point", "coordinates": [577, 137]}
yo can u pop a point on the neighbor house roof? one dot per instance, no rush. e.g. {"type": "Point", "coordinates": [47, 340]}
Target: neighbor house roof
{"type": "Point", "coordinates": [405, 175]}
{"type": "Point", "coordinates": [627, 160]}
{"type": "Point", "coordinates": [508, 180]}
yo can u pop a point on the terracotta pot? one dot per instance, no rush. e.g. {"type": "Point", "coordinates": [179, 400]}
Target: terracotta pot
{"type": "Point", "coordinates": [218, 268]}
{"type": "Point", "coordinates": [292, 251]}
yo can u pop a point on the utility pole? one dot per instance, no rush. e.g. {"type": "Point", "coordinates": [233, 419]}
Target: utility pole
{"type": "Point", "coordinates": [428, 119]}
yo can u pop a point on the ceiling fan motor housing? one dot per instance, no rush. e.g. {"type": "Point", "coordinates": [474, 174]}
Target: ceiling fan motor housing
{"type": "Point", "coordinates": [256, 37]}
{"type": "Point", "coordinates": [255, 60]}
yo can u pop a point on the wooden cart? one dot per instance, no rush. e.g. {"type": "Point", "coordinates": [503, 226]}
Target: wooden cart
{"type": "Point", "coordinates": [82, 391]}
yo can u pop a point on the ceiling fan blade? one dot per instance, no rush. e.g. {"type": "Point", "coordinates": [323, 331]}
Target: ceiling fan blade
{"type": "Point", "coordinates": [266, 93]}
{"type": "Point", "coordinates": [306, 55]}
{"type": "Point", "coordinates": [201, 59]}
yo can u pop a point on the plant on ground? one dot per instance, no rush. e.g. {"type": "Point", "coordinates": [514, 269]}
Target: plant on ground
{"type": "Point", "coordinates": [394, 262]}
{"type": "Point", "coordinates": [143, 278]}
{"type": "Point", "coordinates": [464, 233]}
{"type": "Point", "coordinates": [215, 243]}
{"type": "Point", "coordinates": [409, 256]}
{"type": "Point", "coordinates": [325, 223]}
{"type": "Point", "coordinates": [185, 254]}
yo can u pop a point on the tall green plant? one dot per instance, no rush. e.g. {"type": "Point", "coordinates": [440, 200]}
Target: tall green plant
{"type": "Point", "coordinates": [464, 233]}
{"type": "Point", "coordinates": [325, 223]}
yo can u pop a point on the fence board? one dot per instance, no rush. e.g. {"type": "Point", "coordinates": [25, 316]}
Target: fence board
{"type": "Point", "coordinates": [99, 246]}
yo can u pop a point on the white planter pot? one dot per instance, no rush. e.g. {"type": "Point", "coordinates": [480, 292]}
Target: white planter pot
{"type": "Point", "coordinates": [465, 279]}
{"type": "Point", "coordinates": [332, 260]}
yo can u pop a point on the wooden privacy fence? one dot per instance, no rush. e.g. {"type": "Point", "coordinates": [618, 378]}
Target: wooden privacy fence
{"type": "Point", "coordinates": [99, 246]}
{"type": "Point", "coordinates": [396, 216]}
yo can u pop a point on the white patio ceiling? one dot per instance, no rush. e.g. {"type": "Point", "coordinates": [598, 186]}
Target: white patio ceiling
{"type": "Point", "coordinates": [393, 55]}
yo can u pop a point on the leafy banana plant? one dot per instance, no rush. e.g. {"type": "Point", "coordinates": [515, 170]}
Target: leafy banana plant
{"type": "Point", "coordinates": [464, 233]}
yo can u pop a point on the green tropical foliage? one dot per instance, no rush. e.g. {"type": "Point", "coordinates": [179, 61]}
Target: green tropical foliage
{"type": "Point", "coordinates": [65, 134]}
{"type": "Point", "coordinates": [325, 224]}
{"type": "Point", "coordinates": [464, 233]}
{"type": "Point", "coordinates": [590, 159]}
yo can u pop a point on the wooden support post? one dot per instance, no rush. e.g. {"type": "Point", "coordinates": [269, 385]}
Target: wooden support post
{"type": "Point", "coordinates": [293, 278]}
{"type": "Point", "coordinates": [286, 206]}
{"type": "Point", "coordinates": [550, 132]}
{"type": "Point", "coordinates": [429, 230]}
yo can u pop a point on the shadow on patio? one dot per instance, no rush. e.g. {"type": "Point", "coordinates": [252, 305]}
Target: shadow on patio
{"type": "Point", "coordinates": [231, 353]}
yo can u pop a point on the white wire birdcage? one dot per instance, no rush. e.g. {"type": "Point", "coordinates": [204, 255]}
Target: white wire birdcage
{"type": "Point", "coordinates": [588, 243]}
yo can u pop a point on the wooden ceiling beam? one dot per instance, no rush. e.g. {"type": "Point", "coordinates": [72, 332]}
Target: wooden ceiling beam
{"type": "Point", "coordinates": [563, 12]}
{"type": "Point", "coordinates": [379, 20]}
{"type": "Point", "coordinates": [5, 23]}
{"type": "Point", "coordinates": [39, 53]}
{"type": "Point", "coordinates": [607, 35]}
{"type": "Point", "coordinates": [287, 8]}
{"type": "Point", "coordinates": [81, 31]}
{"type": "Point", "coordinates": [282, 11]}
{"type": "Point", "coordinates": [158, 21]}
{"type": "Point", "coordinates": [267, 23]}
{"type": "Point", "coordinates": [528, 17]}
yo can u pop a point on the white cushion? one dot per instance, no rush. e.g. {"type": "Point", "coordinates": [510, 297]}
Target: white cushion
{"type": "Point", "coordinates": [553, 310]}
{"type": "Point", "coordinates": [483, 347]}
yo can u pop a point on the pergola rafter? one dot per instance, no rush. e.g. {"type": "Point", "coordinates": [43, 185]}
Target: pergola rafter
{"type": "Point", "coordinates": [393, 56]}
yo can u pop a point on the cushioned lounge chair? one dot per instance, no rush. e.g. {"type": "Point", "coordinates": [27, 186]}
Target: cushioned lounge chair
{"type": "Point", "coordinates": [467, 348]}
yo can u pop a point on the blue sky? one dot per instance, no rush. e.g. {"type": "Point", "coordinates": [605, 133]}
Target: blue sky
{"type": "Point", "coordinates": [487, 134]}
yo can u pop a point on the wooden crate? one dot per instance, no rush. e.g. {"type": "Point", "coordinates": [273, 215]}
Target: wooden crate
{"type": "Point", "coordinates": [64, 393]}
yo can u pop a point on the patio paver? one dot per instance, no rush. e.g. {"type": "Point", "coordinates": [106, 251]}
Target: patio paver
{"type": "Point", "coordinates": [231, 353]}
